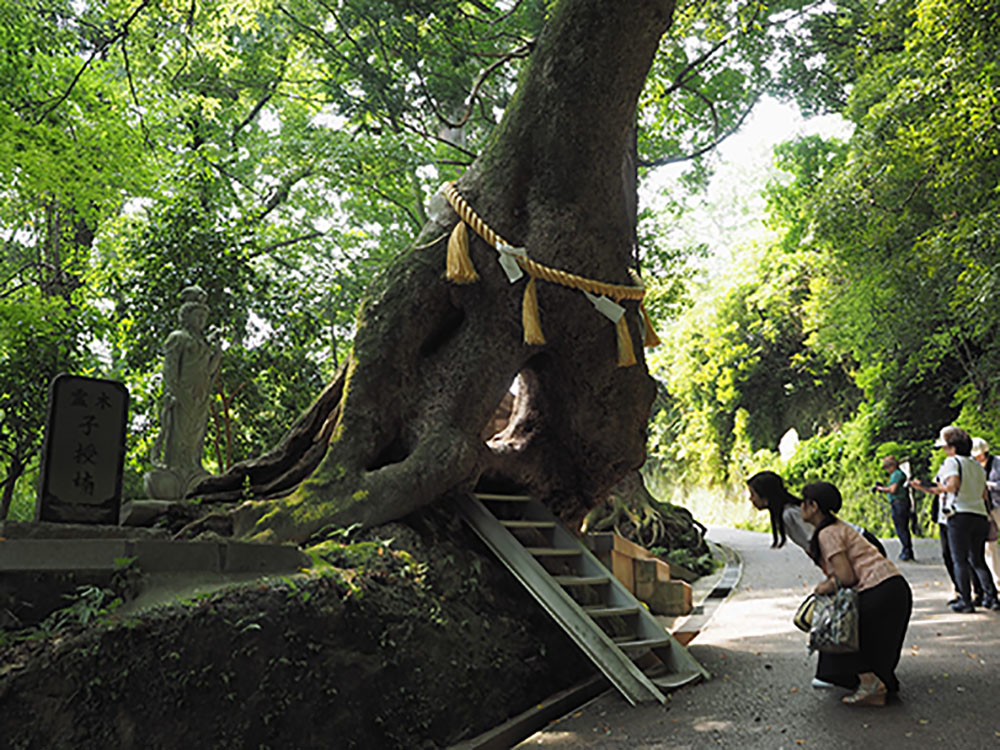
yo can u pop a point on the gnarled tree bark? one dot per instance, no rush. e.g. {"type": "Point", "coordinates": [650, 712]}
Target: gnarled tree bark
{"type": "Point", "coordinates": [402, 424]}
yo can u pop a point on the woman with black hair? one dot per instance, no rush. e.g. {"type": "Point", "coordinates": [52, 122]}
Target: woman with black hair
{"type": "Point", "coordinates": [767, 492]}
{"type": "Point", "coordinates": [884, 600]}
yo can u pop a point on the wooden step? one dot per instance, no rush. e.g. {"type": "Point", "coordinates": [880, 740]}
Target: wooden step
{"type": "Point", "coordinates": [552, 552]}
{"type": "Point", "coordinates": [581, 580]}
{"type": "Point", "coordinates": [632, 645]}
{"type": "Point", "coordinates": [602, 611]}
{"type": "Point", "coordinates": [511, 498]}
{"type": "Point", "coordinates": [528, 524]}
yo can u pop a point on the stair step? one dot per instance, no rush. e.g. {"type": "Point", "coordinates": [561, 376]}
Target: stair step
{"type": "Point", "coordinates": [622, 659]}
{"type": "Point", "coordinates": [581, 580]}
{"type": "Point", "coordinates": [528, 524]}
{"type": "Point", "coordinates": [601, 611]}
{"type": "Point", "coordinates": [552, 551]}
{"type": "Point", "coordinates": [512, 498]}
{"type": "Point", "coordinates": [632, 645]}
{"type": "Point", "coordinates": [673, 680]}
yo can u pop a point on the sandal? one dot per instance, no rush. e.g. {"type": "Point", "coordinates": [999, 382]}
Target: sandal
{"type": "Point", "coordinates": [867, 694]}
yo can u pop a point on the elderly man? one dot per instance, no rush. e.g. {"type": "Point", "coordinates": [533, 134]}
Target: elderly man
{"type": "Point", "coordinates": [899, 501]}
{"type": "Point", "coordinates": [991, 465]}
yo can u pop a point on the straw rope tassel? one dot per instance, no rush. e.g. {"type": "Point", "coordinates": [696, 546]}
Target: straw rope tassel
{"type": "Point", "coordinates": [626, 352]}
{"type": "Point", "coordinates": [459, 268]}
{"type": "Point", "coordinates": [649, 337]}
{"type": "Point", "coordinates": [530, 321]}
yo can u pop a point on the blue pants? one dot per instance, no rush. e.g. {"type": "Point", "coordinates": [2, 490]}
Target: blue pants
{"type": "Point", "coordinates": [901, 520]}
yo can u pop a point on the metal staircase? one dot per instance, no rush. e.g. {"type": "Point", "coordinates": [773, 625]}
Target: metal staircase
{"type": "Point", "coordinates": [611, 626]}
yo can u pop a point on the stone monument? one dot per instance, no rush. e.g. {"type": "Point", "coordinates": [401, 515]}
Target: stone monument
{"type": "Point", "coordinates": [84, 451]}
{"type": "Point", "coordinates": [190, 364]}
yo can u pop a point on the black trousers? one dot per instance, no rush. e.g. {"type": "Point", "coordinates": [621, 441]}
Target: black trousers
{"type": "Point", "coordinates": [949, 563]}
{"type": "Point", "coordinates": [901, 520]}
{"type": "Point", "coordinates": [884, 614]}
{"type": "Point", "coordinates": [967, 537]}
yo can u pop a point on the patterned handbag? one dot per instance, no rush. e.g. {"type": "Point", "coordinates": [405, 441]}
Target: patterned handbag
{"type": "Point", "coordinates": [834, 627]}
{"type": "Point", "coordinates": [804, 614]}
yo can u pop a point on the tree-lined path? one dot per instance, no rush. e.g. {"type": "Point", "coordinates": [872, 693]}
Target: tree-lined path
{"type": "Point", "coordinates": [760, 696]}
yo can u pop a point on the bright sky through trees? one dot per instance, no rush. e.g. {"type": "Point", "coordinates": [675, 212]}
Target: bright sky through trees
{"type": "Point", "coordinates": [730, 213]}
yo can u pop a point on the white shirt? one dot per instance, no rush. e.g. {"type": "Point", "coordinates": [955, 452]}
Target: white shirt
{"type": "Point", "coordinates": [798, 531]}
{"type": "Point", "coordinates": [969, 498]}
{"type": "Point", "coordinates": [801, 531]}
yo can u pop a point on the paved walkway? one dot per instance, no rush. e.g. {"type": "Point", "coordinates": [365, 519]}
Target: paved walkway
{"type": "Point", "coordinates": [760, 696]}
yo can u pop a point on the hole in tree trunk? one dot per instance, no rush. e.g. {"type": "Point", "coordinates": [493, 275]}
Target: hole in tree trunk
{"type": "Point", "coordinates": [516, 415]}
{"type": "Point", "coordinates": [504, 411]}
{"type": "Point", "coordinates": [445, 329]}
{"type": "Point", "coordinates": [501, 417]}
{"type": "Point", "coordinates": [393, 453]}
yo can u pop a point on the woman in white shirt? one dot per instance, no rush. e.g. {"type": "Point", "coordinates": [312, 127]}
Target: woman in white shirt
{"type": "Point", "coordinates": [961, 488]}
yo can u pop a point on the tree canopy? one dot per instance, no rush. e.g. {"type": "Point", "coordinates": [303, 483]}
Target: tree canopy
{"type": "Point", "coordinates": [281, 154]}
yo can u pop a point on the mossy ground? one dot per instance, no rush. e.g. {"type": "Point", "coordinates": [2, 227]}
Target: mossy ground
{"type": "Point", "coordinates": [413, 636]}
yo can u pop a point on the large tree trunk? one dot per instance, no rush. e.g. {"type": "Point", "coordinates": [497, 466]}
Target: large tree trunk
{"type": "Point", "coordinates": [402, 425]}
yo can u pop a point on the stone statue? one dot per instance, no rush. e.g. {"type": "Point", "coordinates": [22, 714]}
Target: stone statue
{"type": "Point", "coordinates": [189, 368]}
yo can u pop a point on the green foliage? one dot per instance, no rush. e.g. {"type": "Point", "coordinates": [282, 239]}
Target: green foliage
{"type": "Point", "coordinates": [872, 299]}
{"type": "Point", "coordinates": [40, 337]}
{"type": "Point", "coordinates": [281, 155]}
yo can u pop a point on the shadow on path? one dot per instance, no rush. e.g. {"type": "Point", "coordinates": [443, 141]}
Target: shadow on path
{"type": "Point", "coordinates": [760, 694]}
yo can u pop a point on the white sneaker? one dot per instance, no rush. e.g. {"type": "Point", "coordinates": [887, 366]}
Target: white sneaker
{"type": "Point", "coordinates": [822, 684]}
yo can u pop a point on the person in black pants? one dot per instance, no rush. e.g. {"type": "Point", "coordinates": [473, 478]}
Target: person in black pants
{"type": "Point", "coordinates": [899, 503]}
{"type": "Point", "coordinates": [961, 491]}
{"type": "Point", "coordinates": [885, 601]}
{"type": "Point", "coordinates": [942, 521]}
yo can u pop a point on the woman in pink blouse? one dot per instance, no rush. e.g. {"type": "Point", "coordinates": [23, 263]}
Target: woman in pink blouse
{"type": "Point", "coordinates": [884, 600]}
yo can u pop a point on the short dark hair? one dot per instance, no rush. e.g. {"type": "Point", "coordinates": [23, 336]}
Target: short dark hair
{"type": "Point", "coordinates": [959, 439]}
{"type": "Point", "coordinates": [825, 495]}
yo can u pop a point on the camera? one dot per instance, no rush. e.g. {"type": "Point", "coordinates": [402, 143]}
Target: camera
{"type": "Point", "coordinates": [874, 488]}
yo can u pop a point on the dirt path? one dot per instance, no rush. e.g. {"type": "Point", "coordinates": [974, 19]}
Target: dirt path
{"type": "Point", "coordinates": [760, 696]}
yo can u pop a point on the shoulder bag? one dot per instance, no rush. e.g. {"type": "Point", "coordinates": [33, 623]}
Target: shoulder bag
{"type": "Point", "coordinates": [834, 628]}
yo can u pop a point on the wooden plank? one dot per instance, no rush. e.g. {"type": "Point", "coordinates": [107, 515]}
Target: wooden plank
{"type": "Point", "coordinates": [581, 580]}
{"type": "Point", "coordinates": [528, 524]}
{"type": "Point", "coordinates": [510, 498]}
{"type": "Point", "coordinates": [552, 552]}
{"type": "Point", "coordinates": [601, 611]}
{"type": "Point", "coordinates": [535, 718]}
{"type": "Point", "coordinates": [623, 568]}
{"type": "Point", "coordinates": [650, 643]}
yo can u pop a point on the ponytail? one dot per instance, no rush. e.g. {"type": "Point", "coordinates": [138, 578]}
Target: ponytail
{"type": "Point", "coordinates": [828, 520]}
{"type": "Point", "coordinates": [827, 498]}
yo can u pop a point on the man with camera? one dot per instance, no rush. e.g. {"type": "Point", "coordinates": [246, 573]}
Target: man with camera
{"type": "Point", "coordinates": [899, 503]}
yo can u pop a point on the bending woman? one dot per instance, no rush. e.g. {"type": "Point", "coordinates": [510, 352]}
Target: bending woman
{"type": "Point", "coordinates": [767, 492]}
{"type": "Point", "coordinates": [884, 600]}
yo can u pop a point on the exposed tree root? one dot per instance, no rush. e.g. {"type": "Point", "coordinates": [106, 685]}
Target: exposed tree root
{"type": "Point", "coordinates": [669, 531]}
